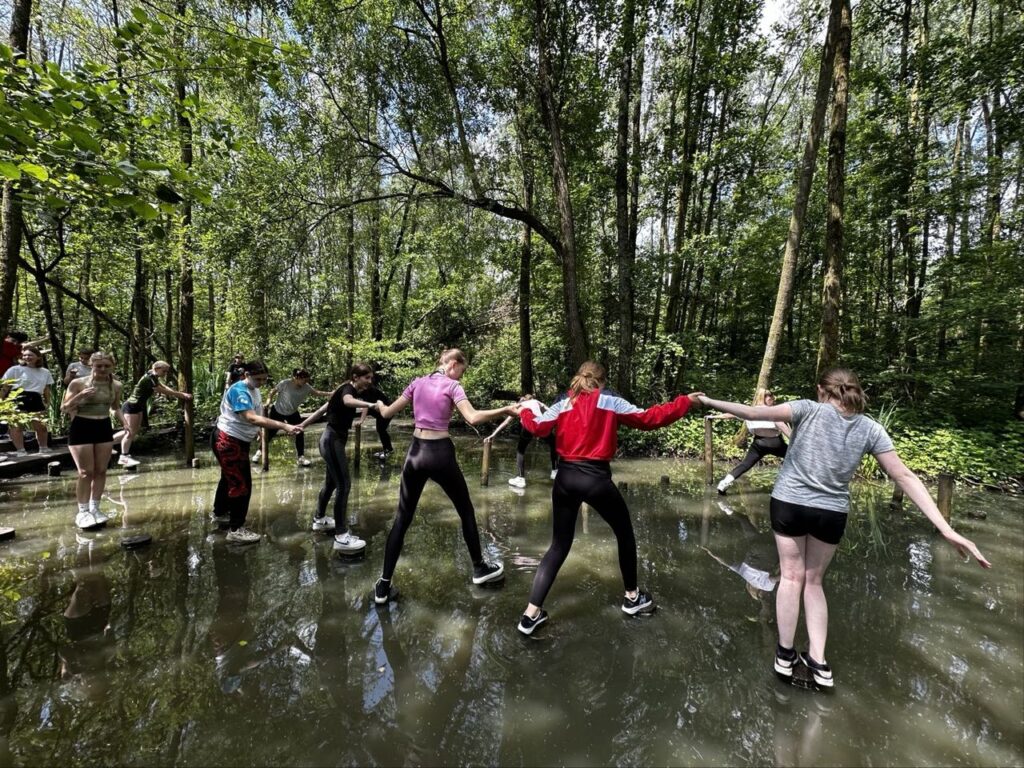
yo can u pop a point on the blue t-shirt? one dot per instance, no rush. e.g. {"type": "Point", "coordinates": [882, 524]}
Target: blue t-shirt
{"type": "Point", "coordinates": [236, 399]}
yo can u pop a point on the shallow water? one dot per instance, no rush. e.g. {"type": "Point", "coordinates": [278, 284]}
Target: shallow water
{"type": "Point", "coordinates": [194, 652]}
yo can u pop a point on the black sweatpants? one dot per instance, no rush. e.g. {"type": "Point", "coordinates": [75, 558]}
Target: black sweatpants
{"type": "Point", "coordinates": [291, 418]}
{"type": "Point", "coordinates": [332, 448]}
{"type": "Point", "coordinates": [525, 438]}
{"type": "Point", "coordinates": [431, 460]}
{"type": "Point", "coordinates": [374, 395]}
{"type": "Point", "coordinates": [759, 448]}
{"type": "Point", "coordinates": [578, 482]}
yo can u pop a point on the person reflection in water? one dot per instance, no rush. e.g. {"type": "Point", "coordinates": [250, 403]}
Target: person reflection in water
{"type": "Point", "coordinates": [90, 640]}
{"type": "Point", "coordinates": [231, 631]}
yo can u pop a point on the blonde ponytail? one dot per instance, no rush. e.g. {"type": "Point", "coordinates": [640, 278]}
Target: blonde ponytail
{"type": "Point", "coordinates": [589, 377]}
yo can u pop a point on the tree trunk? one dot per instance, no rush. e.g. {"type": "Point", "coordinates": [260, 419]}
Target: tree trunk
{"type": "Point", "coordinates": [350, 272]}
{"type": "Point", "coordinates": [796, 221]}
{"type": "Point", "coordinates": [579, 347]}
{"type": "Point", "coordinates": [186, 306]}
{"type": "Point", "coordinates": [525, 265]}
{"type": "Point", "coordinates": [21, 15]}
{"type": "Point", "coordinates": [625, 248]}
{"type": "Point", "coordinates": [832, 292]}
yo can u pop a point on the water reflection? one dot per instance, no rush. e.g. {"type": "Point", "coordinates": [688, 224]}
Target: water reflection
{"type": "Point", "coordinates": [191, 651]}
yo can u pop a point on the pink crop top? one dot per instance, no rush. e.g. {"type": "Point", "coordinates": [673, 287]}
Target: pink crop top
{"type": "Point", "coordinates": [433, 397]}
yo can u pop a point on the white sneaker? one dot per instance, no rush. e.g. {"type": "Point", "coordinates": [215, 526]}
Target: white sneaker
{"type": "Point", "coordinates": [256, 457]}
{"type": "Point", "coordinates": [45, 451]}
{"type": "Point", "coordinates": [517, 482]}
{"type": "Point", "coordinates": [22, 452]}
{"type": "Point", "coordinates": [726, 482]}
{"type": "Point", "coordinates": [304, 462]}
{"type": "Point", "coordinates": [554, 473]}
{"type": "Point", "coordinates": [99, 516]}
{"type": "Point", "coordinates": [87, 521]}
{"type": "Point", "coordinates": [243, 536]}
{"type": "Point", "coordinates": [323, 524]}
{"type": "Point", "coordinates": [348, 542]}
{"type": "Point", "coordinates": [128, 461]}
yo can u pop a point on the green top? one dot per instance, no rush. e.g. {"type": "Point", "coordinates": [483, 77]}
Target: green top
{"type": "Point", "coordinates": [143, 389]}
{"type": "Point", "coordinates": [98, 403]}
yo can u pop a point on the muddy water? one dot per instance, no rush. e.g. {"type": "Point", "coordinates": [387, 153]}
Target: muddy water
{"type": "Point", "coordinates": [194, 652]}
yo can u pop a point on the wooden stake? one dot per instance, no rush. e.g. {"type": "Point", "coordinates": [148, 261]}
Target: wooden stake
{"type": "Point", "coordinates": [358, 446]}
{"type": "Point", "coordinates": [897, 497]}
{"type": "Point", "coordinates": [485, 467]}
{"type": "Point", "coordinates": [53, 469]}
{"type": "Point", "coordinates": [946, 496]}
{"type": "Point", "coordinates": [709, 454]}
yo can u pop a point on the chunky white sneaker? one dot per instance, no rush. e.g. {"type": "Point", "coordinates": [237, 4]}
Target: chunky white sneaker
{"type": "Point", "coordinates": [100, 517]}
{"type": "Point", "coordinates": [87, 521]}
{"type": "Point", "coordinates": [128, 461]}
{"type": "Point", "coordinates": [323, 524]}
{"type": "Point", "coordinates": [517, 482]}
{"type": "Point", "coordinates": [302, 461]}
{"type": "Point", "coordinates": [726, 482]}
{"type": "Point", "coordinates": [243, 536]}
{"type": "Point", "coordinates": [256, 457]}
{"type": "Point", "coordinates": [22, 452]}
{"type": "Point", "coordinates": [348, 542]}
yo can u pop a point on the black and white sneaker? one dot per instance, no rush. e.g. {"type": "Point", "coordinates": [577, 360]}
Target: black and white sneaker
{"type": "Point", "coordinates": [383, 592]}
{"type": "Point", "coordinates": [642, 603]}
{"type": "Point", "coordinates": [822, 673]}
{"type": "Point", "coordinates": [527, 625]}
{"type": "Point", "coordinates": [487, 572]}
{"type": "Point", "coordinates": [785, 660]}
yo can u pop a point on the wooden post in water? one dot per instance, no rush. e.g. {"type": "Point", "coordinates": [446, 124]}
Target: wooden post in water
{"type": "Point", "coordinates": [709, 455]}
{"type": "Point", "coordinates": [357, 448]}
{"type": "Point", "coordinates": [897, 497]}
{"type": "Point", "coordinates": [946, 496]}
{"type": "Point", "coordinates": [53, 469]}
{"type": "Point", "coordinates": [264, 451]}
{"type": "Point", "coordinates": [485, 466]}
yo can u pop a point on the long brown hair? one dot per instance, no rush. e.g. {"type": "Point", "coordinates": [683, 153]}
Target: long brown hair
{"type": "Point", "coordinates": [589, 376]}
{"type": "Point", "coordinates": [359, 369]}
{"type": "Point", "coordinates": [843, 385]}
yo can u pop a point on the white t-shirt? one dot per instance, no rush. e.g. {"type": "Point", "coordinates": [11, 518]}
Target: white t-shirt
{"type": "Point", "coordinates": [79, 369]}
{"type": "Point", "coordinates": [753, 426]}
{"type": "Point", "coordinates": [30, 379]}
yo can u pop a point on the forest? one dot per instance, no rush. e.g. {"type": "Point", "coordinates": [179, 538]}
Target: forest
{"type": "Point", "coordinates": [701, 194]}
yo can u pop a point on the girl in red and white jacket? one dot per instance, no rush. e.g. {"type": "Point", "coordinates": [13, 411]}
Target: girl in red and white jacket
{"type": "Point", "coordinates": [586, 438]}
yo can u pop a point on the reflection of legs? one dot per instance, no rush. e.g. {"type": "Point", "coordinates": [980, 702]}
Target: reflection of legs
{"type": "Point", "coordinates": [565, 508]}
{"type": "Point", "coordinates": [413, 481]}
{"type": "Point", "coordinates": [791, 585]}
{"type": "Point", "coordinates": [453, 483]}
{"type": "Point", "coordinates": [606, 499]}
{"type": "Point", "coordinates": [817, 557]}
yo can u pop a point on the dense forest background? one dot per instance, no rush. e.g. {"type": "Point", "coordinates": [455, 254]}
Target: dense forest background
{"type": "Point", "coordinates": [697, 198]}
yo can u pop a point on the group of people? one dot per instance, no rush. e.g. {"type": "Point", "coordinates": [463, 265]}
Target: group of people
{"type": "Point", "coordinates": [808, 509]}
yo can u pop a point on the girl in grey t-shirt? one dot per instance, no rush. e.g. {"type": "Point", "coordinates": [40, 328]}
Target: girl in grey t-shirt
{"type": "Point", "coordinates": [811, 500]}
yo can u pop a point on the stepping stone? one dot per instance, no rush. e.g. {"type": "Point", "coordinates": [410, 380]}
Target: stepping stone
{"type": "Point", "coordinates": [6, 534]}
{"type": "Point", "coordinates": [134, 542]}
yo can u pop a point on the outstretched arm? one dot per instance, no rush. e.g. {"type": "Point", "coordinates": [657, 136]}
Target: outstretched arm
{"type": "Point", "coordinates": [914, 488]}
{"type": "Point", "coordinates": [474, 417]}
{"type": "Point", "coordinates": [389, 411]}
{"type": "Point", "coordinates": [750, 412]}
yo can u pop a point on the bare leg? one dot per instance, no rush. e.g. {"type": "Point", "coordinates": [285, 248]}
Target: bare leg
{"type": "Point", "coordinates": [101, 460]}
{"type": "Point", "coordinates": [791, 586]}
{"type": "Point", "coordinates": [42, 436]}
{"type": "Point", "coordinates": [132, 422]}
{"type": "Point", "coordinates": [18, 438]}
{"type": "Point", "coordinates": [817, 557]}
{"type": "Point", "coordinates": [84, 456]}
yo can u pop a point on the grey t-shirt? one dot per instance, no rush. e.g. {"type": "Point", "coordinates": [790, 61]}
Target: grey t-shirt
{"type": "Point", "coordinates": [824, 452]}
{"type": "Point", "coordinates": [289, 398]}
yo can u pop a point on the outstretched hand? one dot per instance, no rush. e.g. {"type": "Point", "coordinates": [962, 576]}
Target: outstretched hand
{"type": "Point", "coordinates": [695, 399]}
{"type": "Point", "coordinates": [967, 548]}
{"type": "Point", "coordinates": [293, 429]}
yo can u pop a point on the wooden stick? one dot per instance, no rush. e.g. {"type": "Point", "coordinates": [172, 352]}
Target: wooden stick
{"type": "Point", "coordinates": [946, 496]}
{"type": "Point", "coordinates": [494, 434]}
{"type": "Point", "coordinates": [485, 467]}
{"type": "Point", "coordinates": [357, 447]}
{"type": "Point", "coordinates": [709, 454]}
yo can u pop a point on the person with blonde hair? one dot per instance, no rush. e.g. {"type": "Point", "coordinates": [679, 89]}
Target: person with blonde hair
{"type": "Point", "coordinates": [91, 401]}
{"type": "Point", "coordinates": [766, 440]}
{"type": "Point", "coordinates": [431, 456]}
{"type": "Point", "coordinates": [135, 406]}
{"type": "Point", "coordinates": [811, 500]}
{"type": "Point", "coordinates": [586, 424]}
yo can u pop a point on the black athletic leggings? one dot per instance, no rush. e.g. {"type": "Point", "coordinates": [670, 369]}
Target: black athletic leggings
{"type": "Point", "coordinates": [525, 438]}
{"type": "Point", "coordinates": [431, 460]}
{"type": "Point", "coordinates": [590, 482]}
{"type": "Point", "coordinates": [759, 448]}
{"type": "Point", "coordinates": [291, 418]}
{"type": "Point", "coordinates": [332, 448]}
{"type": "Point", "coordinates": [374, 395]}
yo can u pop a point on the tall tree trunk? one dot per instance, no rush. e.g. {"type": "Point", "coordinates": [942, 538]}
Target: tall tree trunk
{"type": "Point", "coordinates": [139, 346]}
{"type": "Point", "coordinates": [579, 347]}
{"type": "Point", "coordinates": [210, 298]}
{"type": "Point", "coordinates": [186, 301]}
{"type": "Point", "coordinates": [525, 265]}
{"type": "Point", "coordinates": [625, 248]}
{"type": "Point", "coordinates": [21, 15]}
{"type": "Point", "coordinates": [350, 272]}
{"type": "Point", "coordinates": [832, 292]}
{"type": "Point", "coordinates": [796, 222]}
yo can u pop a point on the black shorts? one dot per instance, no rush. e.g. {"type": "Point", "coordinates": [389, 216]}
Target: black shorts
{"type": "Point", "coordinates": [794, 520]}
{"type": "Point", "coordinates": [127, 407]}
{"type": "Point", "coordinates": [30, 402]}
{"type": "Point", "coordinates": [85, 431]}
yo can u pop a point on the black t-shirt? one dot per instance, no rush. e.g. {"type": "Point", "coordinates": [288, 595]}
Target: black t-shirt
{"type": "Point", "coordinates": [339, 415]}
{"type": "Point", "coordinates": [236, 372]}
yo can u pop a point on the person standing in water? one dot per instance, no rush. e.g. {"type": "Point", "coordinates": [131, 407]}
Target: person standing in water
{"type": "Point", "coordinates": [135, 406]}
{"type": "Point", "coordinates": [241, 416]}
{"type": "Point", "coordinates": [810, 503]}
{"type": "Point", "coordinates": [766, 439]}
{"type": "Point", "coordinates": [525, 438]}
{"type": "Point", "coordinates": [341, 409]}
{"type": "Point", "coordinates": [284, 403]}
{"type": "Point", "coordinates": [91, 401]}
{"type": "Point", "coordinates": [431, 456]}
{"type": "Point", "coordinates": [586, 426]}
